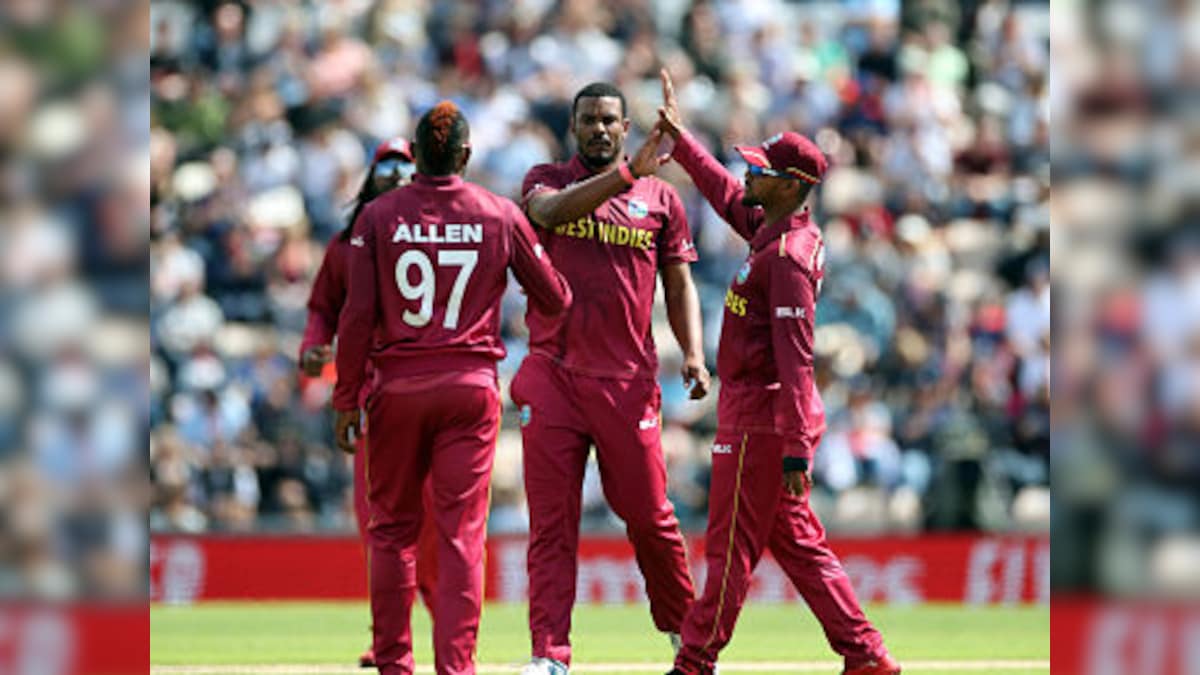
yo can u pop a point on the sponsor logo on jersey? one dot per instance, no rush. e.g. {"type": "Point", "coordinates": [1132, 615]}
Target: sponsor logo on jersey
{"type": "Point", "coordinates": [638, 208]}
{"type": "Point", "coordinates": [722, 449]}
{"type": "Point", "coordinates": [357, 240]}
{"type": "Point", "coordinates": [790, 313]}
{"type": "Point", "coordinates": [735, 303]}
{"type": "Point", "coordinates": [606, 233]}
{"type": "Point", "coordinates": [648, 423]}
{"type": "Point", "coordinates": [448, 233]}
{"type": "Point", "coordinates": [744, 272]}
{"type": "Point", "coordinates": [526, 415]}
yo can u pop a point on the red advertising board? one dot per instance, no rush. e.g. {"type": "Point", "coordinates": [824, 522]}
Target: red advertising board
{"type": "Point", "coordinates": [943, 568]}
{"type": "Point", "coordinates": [74, 639]}
{"type": "Point", "coordinates": [1123, 636]}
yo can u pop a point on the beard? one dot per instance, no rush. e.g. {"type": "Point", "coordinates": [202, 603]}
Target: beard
{"type": "Point", "coordinates": [596, 158]}
{"type": "Point", "coordinates": [749, 200]}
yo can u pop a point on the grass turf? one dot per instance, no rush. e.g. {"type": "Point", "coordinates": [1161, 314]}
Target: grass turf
{"type": "Point", "coordinates": [322, 633]}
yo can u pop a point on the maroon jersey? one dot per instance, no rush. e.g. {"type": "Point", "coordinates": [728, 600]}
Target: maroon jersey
{"type": "Point", "coordinates": [765, 357]}
{"type": "Point", "coordinates": [610, 257]}
{"type": "Point", "coordinates": [327, 296]}
{"type": "Point", "coordinates": [428, 267]}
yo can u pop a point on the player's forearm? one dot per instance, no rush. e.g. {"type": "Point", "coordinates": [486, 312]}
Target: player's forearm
{"type": "Point", "coordinates": [319, 330]}
{"type": "Point", "coordinates": [551, 209]}
{"type": "Point", "coordinates": [683, 313]}
{"type": "Point", "coordinates": [721, 189]}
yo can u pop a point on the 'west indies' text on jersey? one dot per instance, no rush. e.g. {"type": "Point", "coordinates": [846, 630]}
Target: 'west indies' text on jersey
{"type": "Point", "coordinates": [610, 258]}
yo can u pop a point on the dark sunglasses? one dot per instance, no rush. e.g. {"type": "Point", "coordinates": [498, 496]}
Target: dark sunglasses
{"type": "Point", "coordinates": [393, 166]}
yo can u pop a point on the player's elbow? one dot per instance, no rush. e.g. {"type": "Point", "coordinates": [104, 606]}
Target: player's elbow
{"type": "Point", "coordinates": [558, 303]}
{"type": "Point", "coordinates": [542, 211]}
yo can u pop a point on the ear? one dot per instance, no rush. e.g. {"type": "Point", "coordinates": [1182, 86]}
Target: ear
{"type": "Point", "coordinates": [466, 157]}
{"type": "Point", "coordinates": [625, 124]}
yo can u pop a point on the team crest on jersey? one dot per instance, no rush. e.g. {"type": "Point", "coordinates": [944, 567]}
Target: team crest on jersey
{"type": "Point", "coordinates": [526, 415]}
{"type": "Point", "coordinates": [638, 208]}
{"type": "Point", "coordinates": [744, 273]}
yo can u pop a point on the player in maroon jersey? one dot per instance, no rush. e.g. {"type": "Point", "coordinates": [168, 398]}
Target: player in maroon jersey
{"type": "Point", "coordinates": [391, 166]}
{"type": "Point", "coordinates": [612, 229]}
{"type": "Point", "coordinates": [428, 267]}
{"type": "Point", "coordinates": [769, 416]}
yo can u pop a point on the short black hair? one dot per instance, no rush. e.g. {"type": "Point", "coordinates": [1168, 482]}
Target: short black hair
{"type": "Point", "coordinates": [597, 90]}
{"type": "Point", "coordinates": [441, 137]}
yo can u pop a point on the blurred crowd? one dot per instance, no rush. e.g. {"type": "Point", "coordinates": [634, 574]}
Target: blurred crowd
{"type": "Point", "coordinates": [74, 203]}
{"type": "Point", "coordinates": [1126, 457]}
{"type": "Point", "coordinates": [933, 331]}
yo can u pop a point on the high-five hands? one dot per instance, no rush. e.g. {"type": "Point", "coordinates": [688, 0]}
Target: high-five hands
{"type": "Point", "coordinates": [647, 159]}
{"type": "Point", "coordinates": [669, 119]}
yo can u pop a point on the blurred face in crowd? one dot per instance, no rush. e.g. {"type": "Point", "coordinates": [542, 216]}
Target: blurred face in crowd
{"type": "Point", "coordinates": [599, 126]}
{"type": "Point", "coordinates": [391, 172]}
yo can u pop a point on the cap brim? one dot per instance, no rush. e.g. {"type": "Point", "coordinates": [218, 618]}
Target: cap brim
{"type": "Point", "coordinates": [754, 155]}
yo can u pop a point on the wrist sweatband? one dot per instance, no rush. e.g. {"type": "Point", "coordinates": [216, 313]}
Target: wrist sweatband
{"type": "Point", "coordinates": [626, 173]}
{"type": "Point", "coordinates": [795, 464]}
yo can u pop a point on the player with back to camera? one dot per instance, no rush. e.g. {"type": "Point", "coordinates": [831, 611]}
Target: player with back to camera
{"type": "Point", "coordinates": [612, 228]}
{"type": "Point", "coordinates": [428, 268]}
{"type": "Point", "coordinates": [391, 167]}
{"type": "Point", "coordinates": [770, 414]}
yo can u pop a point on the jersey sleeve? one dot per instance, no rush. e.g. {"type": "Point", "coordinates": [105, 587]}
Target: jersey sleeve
{"type": "Point", "coordinates": [720, 188]}
{"type": "Point", "coordinates": [676, 245]}
{"type": "Point", "coordinates": [547, 289]}
{"type": "Point", "coordinates": [360, 313]}
{"type": "Point", "coordinates": [791, 308]}
{"type": "Point", "coordinates": [324, 303]}
{"type": "Point", "coordinates": [541, 178]}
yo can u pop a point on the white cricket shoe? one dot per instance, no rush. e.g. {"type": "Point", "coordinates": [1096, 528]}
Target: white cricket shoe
{"type": "Point", "coordinates": [541, 665]}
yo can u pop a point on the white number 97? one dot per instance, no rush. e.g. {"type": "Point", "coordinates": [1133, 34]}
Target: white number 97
{"type": "Point", "coordinates": [426, 287]}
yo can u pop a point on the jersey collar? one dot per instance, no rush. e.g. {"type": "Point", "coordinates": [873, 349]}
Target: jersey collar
{"type": "Point", "coordinates": [769, 233]}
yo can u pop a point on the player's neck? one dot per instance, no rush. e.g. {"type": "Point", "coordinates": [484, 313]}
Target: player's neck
{"type": "Point", "coordinates": [775, 213]}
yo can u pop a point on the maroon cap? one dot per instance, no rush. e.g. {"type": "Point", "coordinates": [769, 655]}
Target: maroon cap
{"type": "Point", "coordinates": [397, 146]}
{"type": "Point", "coordinates": [788, 153]}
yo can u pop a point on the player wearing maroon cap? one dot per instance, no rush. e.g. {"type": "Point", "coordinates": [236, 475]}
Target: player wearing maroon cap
{"type": "Point", "coordinates": [391, 167]}
{"type": "Point", "coordinates": [428, 267]}
{"type": "Point", "coordinates": [769, 417]}
{"type": "Point", "coordinates": [611, 228]}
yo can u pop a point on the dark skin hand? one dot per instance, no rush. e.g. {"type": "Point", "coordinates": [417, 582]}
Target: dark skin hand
{"type": "Point", "coordinates": [315, 358]}
{"type": "Point", "coordinates": [797, 483]}
{"type": "Point", "coordinates": [347, 426]}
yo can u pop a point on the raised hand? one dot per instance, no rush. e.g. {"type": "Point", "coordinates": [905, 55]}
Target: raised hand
{"type": "Point", "coordinates": [647, 160]}
{"type": "Point", "coordinates": [670, 120]}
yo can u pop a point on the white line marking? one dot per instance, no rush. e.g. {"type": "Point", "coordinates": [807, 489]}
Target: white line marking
{"type": "Point", "coordinates": [731, 667]}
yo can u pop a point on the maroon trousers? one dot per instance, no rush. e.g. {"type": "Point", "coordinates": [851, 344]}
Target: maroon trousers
{"type": "Point", "coordinates": [750, 510]}
{"type": "Point", "coordinates": [447, 435]}
{"type": "Point", "coordinates": [562, 415]}
{"type": "Point", "coordinates": [426, 541]}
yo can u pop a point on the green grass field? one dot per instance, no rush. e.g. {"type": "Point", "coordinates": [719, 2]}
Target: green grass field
{"type": "Point", "coordinates": [221, 638]}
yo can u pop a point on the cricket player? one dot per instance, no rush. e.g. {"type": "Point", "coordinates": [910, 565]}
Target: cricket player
{"type": "Point", "coordinates": [391, 167]}
{"type": "Point", "coordinates": [428, 267]}
{"type": "Point", "coordinates": [769, 416]}
{"type": "Point", "coordinates": [611, 228]}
